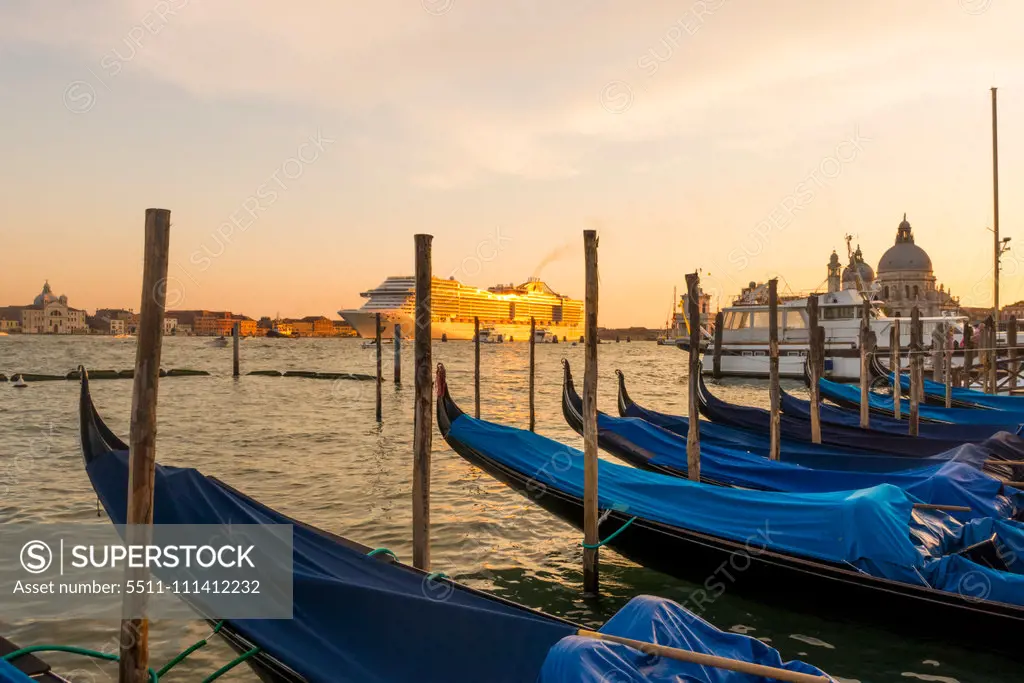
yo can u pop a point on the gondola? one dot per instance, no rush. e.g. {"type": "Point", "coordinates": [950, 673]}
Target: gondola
{"type": "Point", "coordinates": [27, 668]}
{"type": "Point", "coordinates": [990, 421]}
{"type": "Point", "coordinates": [960, 397]}
{"type": "Point", "coordinates": [693, 531]}
{"type": "Point", "coordinates": [758, 419]}
{"type": "Point", "coordinates": [803, 452]}
{"type": "Point", "coordinates": [882, 420]}
{"type": "Point", "coordinates": [360, 616]}
{"type": "Point", "coordinates": [957, 481]}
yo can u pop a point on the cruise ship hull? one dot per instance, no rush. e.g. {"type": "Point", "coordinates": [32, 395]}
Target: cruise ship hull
{"type": "Point", "coordinates": [363, 323]}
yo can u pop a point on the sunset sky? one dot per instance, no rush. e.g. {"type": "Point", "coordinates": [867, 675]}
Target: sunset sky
{"type": "Point", "coordinates": [300, 146]}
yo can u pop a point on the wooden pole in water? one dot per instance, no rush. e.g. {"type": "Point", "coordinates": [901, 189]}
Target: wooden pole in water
{"type": "Point", "coordinates": [920, 359]}
{"type": "Point", "coordinates": [948, 375]}
{"type": "Point", "coordinates": [993, 337]}
{"type": "Point", "coordinates": [1011, 350]}
{"type": "Point", "coordinates": [938, 351]}
{"type": "Point", "coordinates": [815, 338]}
{"type": "Point", "coordinates": [968, 354]}
{"type": "Point", "coordinates": [476, 367]}
{"type": "Point", "coordinates": [134, 636]}
{"type": "Point", "coordinates": [773, 367]}
{"type": "Point", "coordinates": [533, 358]}
{"type": "Point", "coordinates": [234, 341]}
{"type": "Point", "coordinates": [590, 535]}
{"type": "Point", "coordinates": [998, 246]}
{"type": "Point", "coordinates": [693, 432]}
{"type": "Point", "coordinates": [422, 415]}
{"type": "Point", "coordinates": [915, 370]}
{"type": "Point", "coordinates": [983, 352]}
{"type": "Point", "coordinates": [865, 333]}
{"type": "Point", "coordinates": [380, 377]}
{"type": "Point", "coordinates": [894, 361]}
{"type": "Point", "coordinates": [398, 355]}
{"type": "Point", "coordinates": [717, 358]}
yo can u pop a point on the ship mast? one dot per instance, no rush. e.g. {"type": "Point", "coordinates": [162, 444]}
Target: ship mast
{"type": "Point", "coordinates": [855, 267]}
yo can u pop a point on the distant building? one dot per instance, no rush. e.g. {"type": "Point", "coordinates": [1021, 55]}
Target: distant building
{"type": "Point", "coordinates": [1015, 310]}
{"type": "Point", "coordinates": [114, 321]}
{"type": "Point", "coordinates": [48, 314]}
{"type": "Point", "coordinates": [9, 325]}
{"type": "Point", "coordinates": [117, 327]}
{"type": "Point", "coordinates": [343, 329]}
{"type": "Point", "coordinates": [212, 323]}
{"type": "Point", "coordinates": [170, 325]}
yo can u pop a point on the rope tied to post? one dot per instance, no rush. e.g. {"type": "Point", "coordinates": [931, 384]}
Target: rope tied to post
{"type": "Point", "coordinates": [611, 538]}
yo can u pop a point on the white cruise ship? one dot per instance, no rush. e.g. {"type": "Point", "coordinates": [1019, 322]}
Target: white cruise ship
{"type": "Point", "coordinates": [503, 309]}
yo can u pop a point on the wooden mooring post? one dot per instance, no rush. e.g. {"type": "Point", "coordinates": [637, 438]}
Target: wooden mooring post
{"type": "Point", "coordinates": [915, 370]}
{"type": "Point", "coordinates": [1011, 352]}
{"type": "Point", "coordinates": [476, 367]}
{"type": "Point", "coordinates": [717, 357]}
{"type": "Point", "coordinates": [938, 352]}
{"type": "Point", "coordinates": [134, 635]}
{"type": "Point", "coordinates": [895, 342]}
{"type": "Point", "coordinates": [948, 365]}
{"type": "Point", "coordinates": [773, 369]}
{"type": "Point", "coordinates": [590, 532]}
{"type": "Point", "coordinates": [422, 414]}
{"type": "Point", "coordinates": [993, 346]}
{"type": "Point", "coordinates": [533, 359]}
{"type": "Point", "coordinates": [398, 354]}
{"type": "Point", "coordinates": [815, 363]}
{"type": "Point", "coordinates": [965, 374]}
{"type": "Point", "coordinates": [380, 376]}
{"type": "Point", "coordinates": [693, 413]}
{"type": "Point", "coordinates": [234, 341]}
{"type": "Point", "coordinates": [865, 369]}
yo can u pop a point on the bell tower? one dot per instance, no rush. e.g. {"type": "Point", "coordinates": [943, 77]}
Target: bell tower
{"type": "Point", "coordinates": [834, 269]}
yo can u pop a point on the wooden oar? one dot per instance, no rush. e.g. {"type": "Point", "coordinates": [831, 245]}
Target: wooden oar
{"type": "Point", "coordinates": [708, 660]}
{"type": "Point", "coordinates": [1004, 462]}
{"type": "Point", "coordinates": [943, 508]}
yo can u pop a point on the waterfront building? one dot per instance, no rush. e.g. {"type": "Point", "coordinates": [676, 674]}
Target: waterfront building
{"type": "Point", "coordinates": [47, 314]}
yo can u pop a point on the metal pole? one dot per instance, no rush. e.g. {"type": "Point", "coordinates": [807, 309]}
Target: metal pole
{"type": "Point", "coordinates": [590, 535]}
{"type": "Point", "coordinates": [134, 636]}
{"type": "Point", "coordinates": [995, 207]}
{"type": "Point", "coordinates": [422, 416]}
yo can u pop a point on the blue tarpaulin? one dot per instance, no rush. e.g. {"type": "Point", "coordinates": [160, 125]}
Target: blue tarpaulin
{"type": "Point", "coordinates": [874, 529]}
{"type": "Point", "coordinates": [955, 481]}
{"type": "Point", "coordinates": [356, 619]}
{"type": "Point", "coordinates": [995, 421]}
{"type": "Point", "coordinates": [965, 395]}
{"type": "Point", "coordinates": [585, 660]}
{"type": "Point", "coordinates": [10, 674]}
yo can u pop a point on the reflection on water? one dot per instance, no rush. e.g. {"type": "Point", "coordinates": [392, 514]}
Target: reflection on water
{"type": "Point", "coordinates": [312, 449]}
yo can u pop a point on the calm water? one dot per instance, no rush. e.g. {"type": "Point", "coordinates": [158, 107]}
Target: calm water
{"type": "Point", "coordinates": [313, 450]}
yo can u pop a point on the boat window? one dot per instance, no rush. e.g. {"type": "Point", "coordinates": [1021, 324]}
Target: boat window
{"type": "Point", "coordinates": [838, 312]}
{"type": "Point", "coordinates": [761, 319]}
{"type": "Point", "coordinates": [795, 321]}
{"type": "Point", "coordinates": [740, 321]}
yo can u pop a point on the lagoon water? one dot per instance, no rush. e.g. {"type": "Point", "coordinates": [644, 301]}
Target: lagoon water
{"type": "Point", "coordinates": [313, 450]}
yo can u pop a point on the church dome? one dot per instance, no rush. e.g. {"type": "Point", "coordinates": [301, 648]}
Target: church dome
{"type": "Point", "coordinates": [867, 275]}
{"type": "Point", "coordinates": [904, 254]}
{"type": "Point", "coordinates": [46, 296]}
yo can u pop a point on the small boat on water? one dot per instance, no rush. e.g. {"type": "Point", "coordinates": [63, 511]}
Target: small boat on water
{"type": "Point", "coordinates": [489, 336]}
{"type": "Point", "coordinates": [878, 557]}
{"type": "Point", "coordinates": [361, 616]}
{"type": "Point", "coordinates": [24, 668]}
{"type": "Point", "coordinates": [219, 342]}
{"type": "Point", "coordinates": [372, 343]}
{"type": "Point", "coordinates": [19, 381]}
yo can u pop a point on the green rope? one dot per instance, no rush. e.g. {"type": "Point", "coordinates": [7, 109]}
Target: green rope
{"type": "Point", "coordinates": [618, 531]}
{"type": "Point", "coordinates": [231, 665]}
{"type": "Point", "coordinates": [437, 575]}
{"type": "Point", "coordinates": [181, 657]}
{"type": "Point", "coordinates": [382, 551]}
{"type": "Point", "coordinates": [10, 656]}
